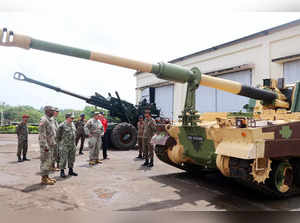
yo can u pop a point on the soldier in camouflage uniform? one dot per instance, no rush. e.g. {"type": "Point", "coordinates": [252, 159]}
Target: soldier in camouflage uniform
{"type": "Point", "coordinates": [140, 126]}
{"type": "Point", "coordinates": [149, 130]}
{"type": "Point", "coordinates": [22, 133]}
{"type": "Point", "coordinates": [80, 134]}
{"type": "Point", "coordinates": [94, 129]}
{"type": "Point", "coordinates": [55, 158]}
{"type": "Point", "coordinates": [47, 141]}
{"type": "Point", "coordinates": [66, 134]}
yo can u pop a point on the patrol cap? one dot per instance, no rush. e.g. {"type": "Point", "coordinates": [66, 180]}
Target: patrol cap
{"type": "Point", "coordinates": [25, 116]}
{"type": "Point", "coordinates": [96, 113]}
{"type": "Point", "coordinates": [56, 109]}
{"type": "Point", "coordinates": [69, 115]}
{"type": "Point", "coordinates": [49, 108]}
{"type": "Point", "coordinates": [81, 115]}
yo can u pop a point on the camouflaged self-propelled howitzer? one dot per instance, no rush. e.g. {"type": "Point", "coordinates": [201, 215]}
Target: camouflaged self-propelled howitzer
{"type": "Point", "coordinates": [262, 150]}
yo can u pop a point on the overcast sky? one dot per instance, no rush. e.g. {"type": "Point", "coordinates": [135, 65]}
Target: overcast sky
{"type": "Point", "coordinates": [150, 31]}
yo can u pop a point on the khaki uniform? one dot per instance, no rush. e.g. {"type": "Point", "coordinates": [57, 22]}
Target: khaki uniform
{"type": "Point", "coordinates": [140, 126]}
{"type": "Point", "coordinates": [22, 133]}
{"type": "Point", "coordinates": [95, 128]}
{"type": "Point", "coordinates": [47, 141]}
{"type": "Point", "coordinates": [66, 134]}
{"type": "Point", "coordinates": [149, 130]}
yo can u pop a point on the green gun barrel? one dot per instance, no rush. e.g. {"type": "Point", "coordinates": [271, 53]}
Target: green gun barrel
{"type": "Point", "coordinates": [164, 71]}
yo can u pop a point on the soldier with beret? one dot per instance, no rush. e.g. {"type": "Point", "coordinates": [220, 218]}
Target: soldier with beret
{"type": "Point", "coordinates": [47, 141]}
{"type": "Point", "coordinates": [66, 134]}
{"type": "Point", "coordinates": [149, 130]}
{"type": "Point", "coordinates": [80, 134]}
{"type": "Point", "coordinates": [22, 133]}
{"type": "Point", "coordinates": [94, 129]}
{"type": "Point", "coordinates": [55, 158]}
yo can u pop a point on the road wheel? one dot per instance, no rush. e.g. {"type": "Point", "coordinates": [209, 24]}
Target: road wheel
{"type": "Point", "coordinates": [282, 177]}
{"type": "Point", "coordinates": [124, 136]}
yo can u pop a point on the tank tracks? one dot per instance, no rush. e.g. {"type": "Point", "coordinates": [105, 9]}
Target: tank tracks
{"type": "Point", "coordinates": [265, 189]}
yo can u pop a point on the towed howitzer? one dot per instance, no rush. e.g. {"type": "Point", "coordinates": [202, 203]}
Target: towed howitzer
{"type": "Point", "coordinates": [261, 151]}
{"type": "Point", "coordinates": [122, 135]}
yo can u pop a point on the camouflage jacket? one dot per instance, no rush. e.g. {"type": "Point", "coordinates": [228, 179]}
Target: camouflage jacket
{"type": "Point", "coordinates": [80, 126]}
{"type": "Point", "coordinates": [47, 136]}
{"type": "Point", "coordinates": [149, 128]}
{"type": "Point", "coordinates": [66, 133]}
{"type": "Point", "coordinates": [140, 126]}
{"type": "Point", "coordinates": [22, 131]}
{"type": "Point", "coordinates": [55, 123]}
{"type": "Point", "coordinates": [93, 127]}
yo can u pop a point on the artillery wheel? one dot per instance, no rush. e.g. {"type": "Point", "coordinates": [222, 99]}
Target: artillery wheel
{"type": "Point", "coordinates": [124, 136]}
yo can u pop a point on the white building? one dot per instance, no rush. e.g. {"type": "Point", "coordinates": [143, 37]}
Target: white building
{"type": "Point", "coordinates": [272, 53]}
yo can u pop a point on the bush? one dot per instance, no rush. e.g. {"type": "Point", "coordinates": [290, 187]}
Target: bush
{"type": "Point", "coordinates": [11, 129]}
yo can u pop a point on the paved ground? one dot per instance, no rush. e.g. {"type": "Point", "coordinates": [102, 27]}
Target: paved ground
{"type": "Point", "coordinates": [121, 184]}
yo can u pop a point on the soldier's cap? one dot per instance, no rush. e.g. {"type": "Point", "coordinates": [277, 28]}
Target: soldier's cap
{"type": "Point", "coordinates": [56, 109]}
{"type": "Point", "coordinates": [49, 108]}
{"type": "Point", "coordinates": [69, 115]}
{"type": "Point", "coordinates": [101, 113]}
{"type": "Point", "coordinates": [140, 116]}
{"type": "Point", "coordinates": [147, 111]}
{"type": "Point", "coordinates": [25, 116]}
{"type": "Point", "coordinates": [96, 113]}
{"type": "Point", "coordinates": [81, 115]}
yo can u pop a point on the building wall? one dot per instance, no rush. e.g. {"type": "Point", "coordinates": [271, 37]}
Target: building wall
{"type": "Point", "coordinates": [258, 51]}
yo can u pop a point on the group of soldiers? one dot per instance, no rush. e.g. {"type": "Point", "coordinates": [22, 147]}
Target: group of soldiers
{"type": "Point", "coordinates": [58, 141]}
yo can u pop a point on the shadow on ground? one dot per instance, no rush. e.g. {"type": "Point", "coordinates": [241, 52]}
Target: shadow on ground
{"type": "Point", "coordinates": [215, 190]}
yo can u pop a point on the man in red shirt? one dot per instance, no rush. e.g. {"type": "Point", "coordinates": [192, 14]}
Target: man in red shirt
{"type": "Point", "coordinates": [105, 136]}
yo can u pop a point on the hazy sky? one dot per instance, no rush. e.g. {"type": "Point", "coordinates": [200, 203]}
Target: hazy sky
{"type": "Point", "coordinates": [150, 31]}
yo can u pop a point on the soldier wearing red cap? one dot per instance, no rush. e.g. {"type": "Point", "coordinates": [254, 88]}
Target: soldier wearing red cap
{"type": "Point", "coordinates": [22, 133]}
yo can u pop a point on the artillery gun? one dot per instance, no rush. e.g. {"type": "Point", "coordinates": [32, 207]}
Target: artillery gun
{"type": "Point", "coordinates": [122, 134]}
{"type": "Point", "coordinates": [262, 150]}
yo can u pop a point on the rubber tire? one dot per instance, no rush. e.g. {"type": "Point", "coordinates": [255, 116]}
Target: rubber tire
{"type": "Point", "coordinates": [117, 133]}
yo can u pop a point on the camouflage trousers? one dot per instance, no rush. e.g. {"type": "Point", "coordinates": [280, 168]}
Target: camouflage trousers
{"type": "Point", "coordinates": [140, 145]}
{"type": "Point", "coordinates": [22, 147]}
{"type": "Point", "coordinates": [67, 154]}
{"type": "Point", "coordinates": [148, 148]}
{"type": "Point", "coordinates": [46, 160]}
{"type": "Point", "coordinates": [95, 143]}
{"type": "Point", "coordinates": [55, 155]}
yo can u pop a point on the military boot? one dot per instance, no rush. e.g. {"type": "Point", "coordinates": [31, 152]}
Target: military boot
{"type": "Point", "coordinates": [151, 163]}
{"type": "Point", "coordinates": [46, 181]}
{"type": "Point", "coordinates": [72, 173]}
{"type": "Point", "coordinates": [146, 163]}
{"type": "Point", "coordinates": [52, 179]}
{"type": "Point", "coordinates": [25, 159]}
{"type": "Point", "coordinates": [62, 173]}
{"type": "Point", "coordinates": [98, 161]}
{"type": "Point", "coordinates": [92, 162]}
{"type": "Point", "coordinates": [80, 152]}
{"type": "Point", "coordinates": [19, 159]}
